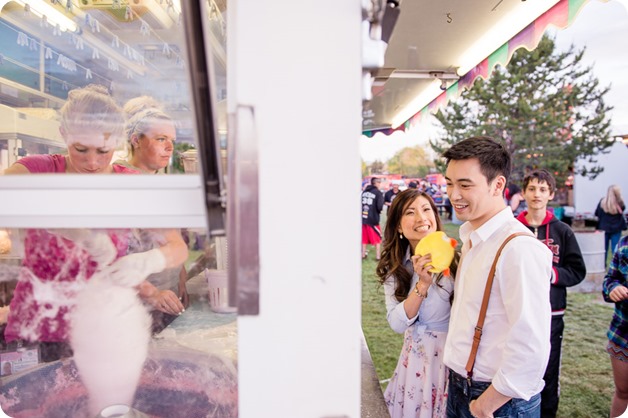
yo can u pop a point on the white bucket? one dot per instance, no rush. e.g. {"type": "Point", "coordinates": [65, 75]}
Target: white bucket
{"type": "Point", "coordinates": [591, 245]}
{"type": "Point", "coordinates": [218, 292]}
{"type": "Point", "coordinates": [592, 248]}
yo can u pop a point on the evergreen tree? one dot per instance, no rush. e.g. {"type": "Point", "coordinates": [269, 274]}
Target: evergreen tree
{"type": "Point", "coordinates": [546, 107]}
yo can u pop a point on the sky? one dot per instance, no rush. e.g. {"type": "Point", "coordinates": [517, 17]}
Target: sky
{"type": "Point", "coordinates": [601, 27]}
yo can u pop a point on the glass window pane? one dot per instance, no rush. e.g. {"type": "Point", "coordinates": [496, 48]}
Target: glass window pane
{"type": "Point", "coordinates": [135, 51]}
{"type": "Point", "coordinates": [79, 321]}
{"type": "Point", "coordinates": [91, 317]}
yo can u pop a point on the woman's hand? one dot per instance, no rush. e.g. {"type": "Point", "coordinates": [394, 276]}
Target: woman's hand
{"type": "Point", "coordinates": [422, 265]}
{"type": "Point", "coordinates": [162, 300]}
{"type": "Point", "coordinates": [4, 314]}
{"type": "Point", "coordinates": [132, 269]}
{"type": "Point", "coordinates": [619, 294]}
{"type": "Point", "coordinates": [167, 301]}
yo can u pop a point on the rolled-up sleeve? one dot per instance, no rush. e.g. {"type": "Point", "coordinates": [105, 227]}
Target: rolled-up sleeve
{"type": "Point", "coordinates": [395, 312]}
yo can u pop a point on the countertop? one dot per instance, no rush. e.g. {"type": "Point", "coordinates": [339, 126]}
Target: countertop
{"type": "Point", "coordinates": [199, 327]}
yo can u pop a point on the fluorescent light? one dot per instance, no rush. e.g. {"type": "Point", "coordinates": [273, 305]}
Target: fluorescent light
{"type": "Point", "coordinates": [417, 104]}
{"type": "Point", "coordinates": [422, 75]}
{"type": "Point", "coordinates": [40, 8]}
{"type": "Point", "coordinates": [176, 5]}
{"type": "Point", "coordinates": [503, 31]}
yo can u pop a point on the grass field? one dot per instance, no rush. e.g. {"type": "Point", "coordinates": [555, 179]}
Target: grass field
{"type": "Point", "coordinates": [586, 377]}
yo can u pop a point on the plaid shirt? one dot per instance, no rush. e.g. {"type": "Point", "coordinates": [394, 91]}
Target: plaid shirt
{"type": "Point", "coordinates": [617, 275]}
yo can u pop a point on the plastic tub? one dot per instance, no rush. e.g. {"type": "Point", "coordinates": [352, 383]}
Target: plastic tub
{"type": "Point", "coordinates": [218, 291]}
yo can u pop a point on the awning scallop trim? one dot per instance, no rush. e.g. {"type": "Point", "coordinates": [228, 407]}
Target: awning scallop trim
{"type": "Point", "coordinates": [561, 15]}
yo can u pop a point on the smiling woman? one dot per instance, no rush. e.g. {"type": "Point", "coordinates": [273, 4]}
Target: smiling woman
{"type": "Point", "coordinates": [417, 305]}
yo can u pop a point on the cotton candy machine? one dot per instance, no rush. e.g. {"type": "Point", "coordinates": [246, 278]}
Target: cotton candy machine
{"type": "Point", "coordinates": [190, 372]}
{"type": "Point", "coordinates": [176, 382]}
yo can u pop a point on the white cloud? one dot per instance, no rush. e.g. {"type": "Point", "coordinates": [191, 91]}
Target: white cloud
{"type": "Point", "coordinates": [382, 147]}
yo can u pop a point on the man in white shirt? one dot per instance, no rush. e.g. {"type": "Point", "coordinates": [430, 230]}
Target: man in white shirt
{"type": "Point", "coordinates": [507, 376]}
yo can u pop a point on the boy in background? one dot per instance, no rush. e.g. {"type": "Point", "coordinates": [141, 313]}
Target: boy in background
{"type": "Point", "coordinates": [568, 270]}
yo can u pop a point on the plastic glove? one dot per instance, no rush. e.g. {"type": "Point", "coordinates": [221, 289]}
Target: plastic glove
{"type": "Point", "coordinates": [97, 243]}
{"type": "Point", "coordinates": [100, 247]}
{"type": "Point", "coordinates": [133, 269]}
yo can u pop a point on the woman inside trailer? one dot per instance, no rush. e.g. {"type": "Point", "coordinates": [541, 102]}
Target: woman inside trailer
{"type": "Point", "coordinates": [150, 134]}
{"type": "Point", "coordinates": [58, 263]}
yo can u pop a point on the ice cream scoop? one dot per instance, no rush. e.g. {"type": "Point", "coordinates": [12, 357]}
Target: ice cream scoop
{"type": "Point", "coordinates": [441, 247]}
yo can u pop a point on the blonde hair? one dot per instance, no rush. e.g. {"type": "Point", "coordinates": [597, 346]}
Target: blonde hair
{"type": "Point", "coordinates": [141, 112]}
{"type": "Point", "coordinates": [91, 108]}
{"type": "Point", "coordinates": [613, 201]}
{"type": "Point", "coordinates": [137, 104]}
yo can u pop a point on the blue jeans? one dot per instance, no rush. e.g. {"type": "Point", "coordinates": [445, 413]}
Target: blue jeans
{"type": "Point", "coordinates": [613, 237]}
{"type": "Point", "coordinates": [460, 395]}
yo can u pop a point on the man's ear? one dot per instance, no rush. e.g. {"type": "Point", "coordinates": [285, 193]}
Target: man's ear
{"type": "Point", "coordinates": [134, 140]}
{"type": "Point", "coordinates": [500, 184]}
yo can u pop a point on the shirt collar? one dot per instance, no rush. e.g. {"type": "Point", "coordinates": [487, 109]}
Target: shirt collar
{"type": "Point", "coordinates": [408, 255]}
{"type": "Point", "coordinates": [487, 229]}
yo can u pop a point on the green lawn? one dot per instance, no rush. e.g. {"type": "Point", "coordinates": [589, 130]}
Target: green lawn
{"type": "Point", "coordinates": [586, 377]}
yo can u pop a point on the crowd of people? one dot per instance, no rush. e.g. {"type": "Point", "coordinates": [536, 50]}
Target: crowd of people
{"type": "Point", "coordinates": [58, 263]}
{"type": "Point", "coordinates": [486, 339]}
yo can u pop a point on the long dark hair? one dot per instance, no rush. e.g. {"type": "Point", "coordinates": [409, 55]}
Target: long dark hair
{"type": "Point", "coordinates": [395, 247]}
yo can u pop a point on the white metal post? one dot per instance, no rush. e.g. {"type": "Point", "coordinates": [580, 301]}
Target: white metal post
{"type": "Point", "coordinates": [298, 64]}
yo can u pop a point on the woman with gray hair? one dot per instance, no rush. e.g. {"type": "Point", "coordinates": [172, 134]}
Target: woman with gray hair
{"type": "Point", "coordinates": [150, 134]}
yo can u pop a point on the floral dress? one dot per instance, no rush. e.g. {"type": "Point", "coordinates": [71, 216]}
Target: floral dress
{"type": "Point", "coordinates": [54, 271]}
{"type": "Point", "coordinates": [418, 387]}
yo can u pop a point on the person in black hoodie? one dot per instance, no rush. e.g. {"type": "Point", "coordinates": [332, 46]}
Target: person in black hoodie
{"type": "Point", "coordinates": [610, 215]}
{"type": "Point", "coordinates": [568, 270]}
{"type": "Point", "coordinates": [372, 205]}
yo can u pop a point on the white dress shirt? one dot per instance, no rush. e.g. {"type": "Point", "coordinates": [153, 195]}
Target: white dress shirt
{"type": "Point", "coordinates": [515, 344]}
{"type": "Point", "coordinates": [433, 314]}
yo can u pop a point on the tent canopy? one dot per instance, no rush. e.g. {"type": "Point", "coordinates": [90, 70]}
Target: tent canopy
{"type": "Point", "coordinates": [422, 72]}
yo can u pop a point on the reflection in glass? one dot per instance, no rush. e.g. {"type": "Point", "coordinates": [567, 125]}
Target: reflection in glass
{"type": "Point", "coordinates": [131, 49]}
{"type": "Point", "coordinates": [102, 87]}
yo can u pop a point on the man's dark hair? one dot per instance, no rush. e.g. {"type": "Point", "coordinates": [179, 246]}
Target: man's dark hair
{"type": "Point", "coordinates": [493, 157]}
{"type": "Point", "coordinates": [540, 176]}
{"type": "Point", "coordinates": [375, 180]}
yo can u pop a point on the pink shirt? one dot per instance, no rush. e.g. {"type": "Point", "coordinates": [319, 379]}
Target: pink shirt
{"type": "Point", "coordinates": [55, 163]}
{"type": "Point", "coordinates": [53, 271]}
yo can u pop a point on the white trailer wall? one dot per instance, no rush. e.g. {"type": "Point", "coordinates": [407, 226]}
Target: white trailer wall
{"type": "Point", "coordinates": [299, 65]}
{"type": "Point", "coordinates": [587, 193]}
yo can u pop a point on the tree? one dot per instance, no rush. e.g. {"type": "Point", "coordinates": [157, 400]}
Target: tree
{"type": "Point", "coordinates": [547, 109]}
{"type": "Point", "coordinates": [365, 169]}
{"type": "Point", "coordinates": [377, 167]}
{"type": "Point", "coordinates": [410, 162]}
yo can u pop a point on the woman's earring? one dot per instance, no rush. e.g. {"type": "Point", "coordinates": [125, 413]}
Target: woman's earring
{"type": "Point", "coordinates": [400, 236]}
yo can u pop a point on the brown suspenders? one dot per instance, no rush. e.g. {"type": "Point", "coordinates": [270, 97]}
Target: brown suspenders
{"type": "Point", "coordinates": [487, 294]}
